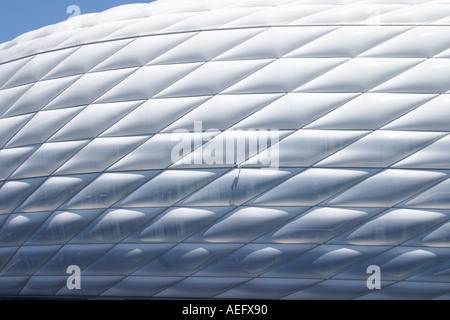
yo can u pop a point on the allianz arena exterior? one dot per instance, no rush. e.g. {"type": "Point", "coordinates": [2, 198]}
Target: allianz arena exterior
{"type": "Point", "coordinates": [229, 150]}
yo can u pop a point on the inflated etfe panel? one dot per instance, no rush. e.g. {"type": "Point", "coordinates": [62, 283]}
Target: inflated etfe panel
{"type": "Point", "coordinates": [229, 149]}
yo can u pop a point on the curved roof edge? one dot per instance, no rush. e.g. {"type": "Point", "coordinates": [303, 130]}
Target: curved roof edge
{"type": "Point", "coordinates": [173, 16]}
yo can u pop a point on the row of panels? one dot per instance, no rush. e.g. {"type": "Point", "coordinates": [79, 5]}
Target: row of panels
{"type": "Point", "coordinates": [258, 149]}
{"type": "Point", "coordinates": [231, 45]}
{"type": "Point", "coordinates": [165, 17]}
{"type": "Point", "coordinates": [230, 260]}
{"type": "Point", "coordinates": [223, 187]}
{"type": "Point", "coordinates": [222, 288]}
{"type": "Point", "coordinates": [240, 77]}
{"type": "Point", "coordinates": [273, 225]}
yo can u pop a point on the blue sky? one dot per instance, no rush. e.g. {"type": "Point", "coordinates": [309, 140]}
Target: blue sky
{"type": "Point", "coordinates": [20, 16]}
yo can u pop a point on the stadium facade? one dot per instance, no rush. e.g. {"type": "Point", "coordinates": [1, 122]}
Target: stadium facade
{"type": "Point", "coordinates": [266, 149]}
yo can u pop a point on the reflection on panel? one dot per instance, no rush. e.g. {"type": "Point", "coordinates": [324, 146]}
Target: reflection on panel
{"type": "Point", "coordinates": [169, 187]}
{"type": "Point", "coordinates": [237, 187]}
{"type": "Point", "coordinates": [114, 225]}
{"type": "Point", "coordinates": [311, 187]}
{"type": "Point", "coordinates": [196, 287]}
{"type": "Point", "coordinates": [177, 224]}
{"type": "Point", "coordinates": [245, 224]}
{"type": "Point", "coordinates": [186, 259]}
{"type": "Point", "coordinates": [392, 227]}
{"type": "Point", "coordinates": [318, 225]}
{"type": "Point", "coordinates": [62, 226]}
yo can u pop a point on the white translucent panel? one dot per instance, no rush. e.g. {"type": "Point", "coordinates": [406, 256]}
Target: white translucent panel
{"type": "Point", "coordinates": [43, 285]}
{"type": "Point", "coordinates": [212, 78]}
{"type": "Point", "coordinates": [153, 116]}
{"type": "Point", "coordinates": [318, 225]}
{"type": "Point", "coordinates": [169, 187]}
{"type": "Point", "coordinates": [416, 14]}
{"type": "Point", "coordinates": [245, 224]}
{"type": "Point", "coordinates": [147, 82]}
{"type": "Point", "coordinates": [136, 53]}
{"type": "Point", "coordinates": [13, 193]}
{"type": "Point", "coordinates": [80, 255]}
{"type": "Point", "coordinates": [282, 40]}
{"type": "Point", "coordinates": [305, 147]}
{"type": "Point", "coordinates": [437, 197]}
{"type": "Point", "coordinates": [231, 148]}
{"type": "Point", "coordinates": [10, 96]}
{"type": "Point", "coordinates": [10, 159]}
{"type": "Point", "coordinates": [12, 285]}
{"type": "Point", "coordinates": [285, 75]}
{"type": "Point", "coordinates": [409, 291]}
{"type": "Point", "coordinates": [8, 70]}
{"type": "Point", "coordinates": [85, 58]}
{"type": "Point", "coordinates": [276, 15]}
{"type": "Point", "coordinates": [435, 156]}
{"type": "Point", "coordinates": [206, 45]}
{"type": "Point", "coordinates": [344, 14]}
{"type": "Point", "coordinates": [430, 76]}
{"type": "Point", "coordinates": [401, 262]}
{"type": "Point", "coordinates": [176, 224]}
{"type": "Point", "coordinates": [431, 116]}
{"type": "Point", "coordinates": [438, 273]}
{"type": "Point", "coordinates": [311, 187]}
{"type": "Point", "coordinates": [108, 189]}
{"type": "Point", "coordinates": [39, 95]}
{"type": "Point", "coordinates": [210, 20]}
{"type": "Point", "coordinates": [124, 259]}
{"type": "Point", "coordinates": [28, 259]}
{"type": "Point", "coordinates": [91, 286]}
{"type": "Point", "coordinates": [237, 187]}
{"type": "Point", "coordinates": [252, 260]}
{"type": "Point", "coordinates": [380, 149]}
{"type": "Point", "coordinates": [421, 41]}
{"type": "Point", "coordinates": [93, 120]}
{"type": "Point", "coordinates": [437, 237]}
{"type": "Point", "coordinates": [96, 31]}
{"type": "Point", "coordinates": [370, 111]}
{"type": "Point", "coordinates": [62, 226]}
{"type": "Point", "coordinates": [387, 188]}
{"type": "Point", "coordinates": [44, 40]}
{"type": "Point", "coordinates": [324, 261]}
{"type": "Point", "coordinates": [38, 66]}
{"type": "Point", "coordinates": [114, 225]}
{"type": "Point", "coordinates": [392, 228]}
{"type": "Point", "coordinates": [42, 126]}
{"type": "Point", "coordinates": [333, 290]}
{"type": "Point", "coordinates": [366, 73]}
{"type": "Point", "coordinates": [347, 41]}
{"type": "Point", "coordinates": [5, 255]}
{"type": "Point", "coordinates": [17, 228]}
{"type": "Point", "coordinates": [138, 286]}
{"type": "Point", "coordinates": [100, 154]}
{"type": "Point", "coordinates": [47, 158]}
{"type": "Point", "coordinates": [185, 259]}
{"type": "Point", "coordinates": [152, 24]}
{"type": "Point", "coordinates": [294, 110]}
{"type": "Point", "coordinates": [222, 111]}
{"type": "Point", "coordinates": [92, 85]}
{"type": "Point", "coordinates": [198, 287]}
{"type": "Point", "coordinates": [266, 288]}
{"type": "Point", "coordinates": [10, 126]}
{"type": "Point", "coordinates": [54, 192]}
